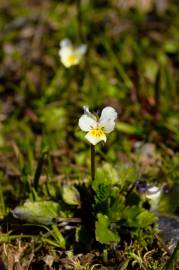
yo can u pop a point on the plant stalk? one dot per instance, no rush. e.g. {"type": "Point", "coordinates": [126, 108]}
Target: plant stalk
{"type": "Point", "coordinates": [92, 162]}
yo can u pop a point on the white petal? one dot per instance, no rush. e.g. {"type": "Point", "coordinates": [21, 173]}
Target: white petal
{"type": "Point", "coordinates": [107, 125]}
{"type": "Point", "coordinates": [66, 51]}
{"type": "Point", "coordinates": [86, 109]}
{"type": "Point", "coordinates": [108, 113]}
{"type": "Point", "coordinates": [88, 113]}
{"type": "Point", "coordinates": [81, 50]}
{"type": "Point", "coordinates": [153, 190]}
{"type": "Point", "coordinates": [87, 123]}
{"type": "Point", "coordinates": [68, 56]}
{"type": "Point", "coordinates": [95, 139]}
{"type": "Point", "coordinates": [65, 43]}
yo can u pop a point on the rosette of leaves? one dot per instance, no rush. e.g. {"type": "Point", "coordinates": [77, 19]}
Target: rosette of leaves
{"type": "Point", "coordinates": [114, 211]}
{"type": "Point", "coordinates": [110, 186]}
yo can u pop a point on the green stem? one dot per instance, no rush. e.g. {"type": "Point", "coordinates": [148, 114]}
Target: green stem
{"type": "Point", "coordinates": [92, 162]}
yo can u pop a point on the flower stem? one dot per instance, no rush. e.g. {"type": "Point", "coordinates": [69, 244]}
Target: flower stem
{"type": "Point", "coordinates": [92, 162]}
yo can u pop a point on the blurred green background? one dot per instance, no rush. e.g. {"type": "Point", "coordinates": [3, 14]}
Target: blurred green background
{"type": "Point", "coordinates": [132, 65]}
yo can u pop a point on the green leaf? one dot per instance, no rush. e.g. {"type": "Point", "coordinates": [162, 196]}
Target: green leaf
{"type": "Point", "coordinates": [123, 265]}
{"type": "Point", "coordinates": [57, 235]}
{"type": "Point", "coordinates": [70, 195]}
{"type": "Point", "coordinates": [101, 185]}
{"type": "Point", "coordinates": [130, 214]}
{"type": "Point", "coordinates": [38, 212]}
{"type": "Point", "coordinates": [146, 218]}
{"type": "Point", "coordinates": [110, 173]}
{"type": "Point", "coordinates": [103, 234]}
{"type": "Point", "coordinates": [115, 211]}
{"type": "Point", "coordinates": [136, 217]}
{"type": "Point", "coordinates": [50, 242]}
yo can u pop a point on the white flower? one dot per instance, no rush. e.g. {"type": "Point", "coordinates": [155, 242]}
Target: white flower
{"type": "Point", "coordinates": [69, 54]}
{"type": "Point", "coordinates": [154, 194]}
{"type": "Point", "coordinates": [97, 128]}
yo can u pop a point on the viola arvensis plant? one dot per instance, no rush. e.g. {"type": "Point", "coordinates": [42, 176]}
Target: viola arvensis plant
{"type": "Point", "coordinates": [69, 54]}
{"type": "Point", "coordinates": [96, 127]}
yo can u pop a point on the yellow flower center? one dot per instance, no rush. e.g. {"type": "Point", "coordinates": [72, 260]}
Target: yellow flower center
{"type": "Point", "coordinates": [97, 132]}
{"type": "Point", "coordinates": [72, 59]}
